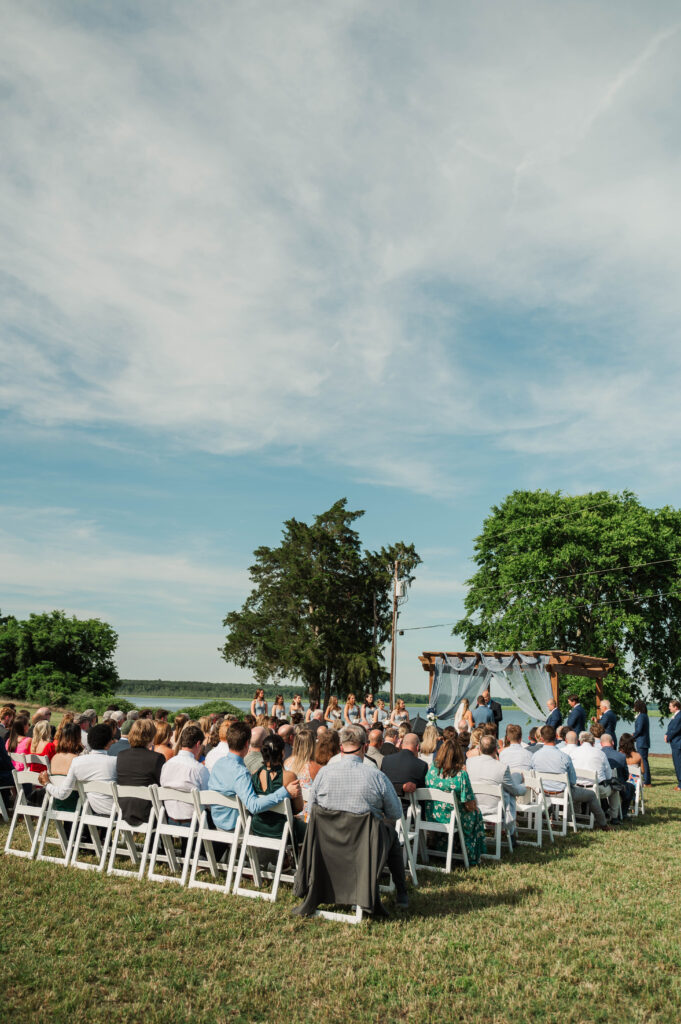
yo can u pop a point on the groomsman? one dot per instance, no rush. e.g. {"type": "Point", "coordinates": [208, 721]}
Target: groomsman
{"type": "Point", "coordinates": [555, 718]}
{"type": "Point", "coordinates": [577, 717]}
{"type": "Point", "coordinates": [673, 738]}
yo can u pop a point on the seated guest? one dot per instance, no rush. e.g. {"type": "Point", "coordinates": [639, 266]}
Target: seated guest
{"type": "Point", "coordinates": [178, 726]}
{"type": "Point", "coordinates": [162, 739]}
{"type": "Point", "coordinates": [221, 750]}
{"type": "Point", "coordinates": [374, 752]}
{"type": "Point", "coordinates": [6, 777]}
{"type": "Point", "coordinates": [597, 731]}
{"type": "Point", "coordinates": [139, 765]}
{"type": "Point", "coordinates": [474, 745]}
{"type": "Point", "coordinates": [487, 768]}
{"type": "Point", "coordinates": [211, 740]}
{"type": "Point", "coordinates": [86, 720]}
{"type": "Point", "coordinates": [67, 746]}
{"type": "Point", "coordinates": [592, 758]}
{"type": "Point", "coordinates": [41, 715]}
{"type": "Point", "coordinates": [351, 785]}
{"type": "Point", "coordinates": [121, 742]}
{"type": "Point", "coordinates": [405, 769]}
{"type": "Point", "coordinates": [482, 713]}
{"type": "Point", "coordinates": [18, 741]}
{"type": "Point", "coordinates": [429, 743]}
{"type": "Point", "coordinates": [554, 761]}
{"type": "Point", "coordinates": [7, 715]}
{"type": "Point", "coordinates": [230, 776]}
{"type": "Point", "coordinates": [327, 746]}
{"type": "Point", "coordinates": [571, 746]}
{"type": "Point", "coordinates": [316, 720]}
{"type": "Point", "coordinates": [285, 732]}
{"type": "Point", "coordinates": [92, 766]}
{"type": "Point", "coordinates": [628, 748]}
{"type": "Point", "coordinates": [148, 713]}
{"type": "Point", "coordinates": [464, 740]}
{"type": "Point", "coordinates": [253, 759]}
{"type": "Point", "coordinates": [560, 736]}
{"type": "Point", "coordinates": [620, 768]}
{"type": "Point", "coordinates": [449, 774]}
{"type": "Point", "coordinates": [389, 741]}
{"type": "Point", "coordinates": [302, 762]}
{"type": "Point", "coordinates": [184, 772]}
{"type": "Point", "coordinates": [270, 779]}
{"type": "Point", "coordinates": [514, 755]}
{"type": "Point", "coordinates": [161, 715]}
{"type": "Point", "coordinates": [533, 737]}
{"type": "Point", "coordinates": [41, 743]}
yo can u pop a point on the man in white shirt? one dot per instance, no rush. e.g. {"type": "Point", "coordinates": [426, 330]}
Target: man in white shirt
{"type": "Point", "coordinates": [592, 758]}
{"type": "Point", "coordinates": [222, 749]}
{"type": "Point", "coordinates": [570, 747]}
{"type": "Point", "coordinates": [514, 755]}
{"type": "Point", "coordinates": [185, 773]}
{"type": "Point", "coordinates": [94, 766]}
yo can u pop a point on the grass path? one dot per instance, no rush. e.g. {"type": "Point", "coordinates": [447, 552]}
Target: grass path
{"type": "Point", "coordinates": [585, 931]}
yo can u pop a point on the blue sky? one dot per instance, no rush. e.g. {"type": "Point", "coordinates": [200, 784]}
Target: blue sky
{"type": "Point", "coordinates": [259, 257]}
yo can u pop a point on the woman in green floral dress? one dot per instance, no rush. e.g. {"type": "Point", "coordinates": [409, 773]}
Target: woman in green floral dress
{"type": "Point", "coordinates": [447, 772]}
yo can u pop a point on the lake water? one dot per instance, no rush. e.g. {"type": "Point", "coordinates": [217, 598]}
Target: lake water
{"type": "Point", "coordinates": [657, 725]}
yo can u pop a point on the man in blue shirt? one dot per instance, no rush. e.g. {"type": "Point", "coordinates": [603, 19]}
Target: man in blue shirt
{"type": "Point", "coordinates": [482, 714]}
{"type": "Point", "coordinates": [550, 759]}
{"type": "Point", "coordinates": [577, 717]}
{"type": "Point", "coordinates": [231, 777]}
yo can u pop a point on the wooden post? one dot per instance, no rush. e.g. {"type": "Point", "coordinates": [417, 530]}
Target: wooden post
{"type": "Point", "coordinates": [431, 677]}
{"type": "Point", "coordinates": [599, 695]}
{"type": "Point", "coordinates": [554, 681]}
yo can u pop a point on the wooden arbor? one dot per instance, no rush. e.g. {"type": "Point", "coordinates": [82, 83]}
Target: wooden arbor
{"type": "Point", "coordinates": [561, 663]}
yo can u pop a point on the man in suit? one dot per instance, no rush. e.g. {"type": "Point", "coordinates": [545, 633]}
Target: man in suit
{"type": "Point", "coordinates": [373, 751]}
{"type": "Point", "coordinates": [673, 738]}
{"type": "Point", "coordinates": [577, 717]}
{"type": "Point", "coordinates": [405, 769]}
{"type": "Point", "coordinates": [389, 740]}
{"type": "Point", "coordinates": [555, 718]}
{"type": "Point", "coordinates": [620, 769]}
{"type": "Point", "coordinates": [487, 768]}
{"type": "Point", "coordinates": [642, 737]}
{"type": "Point", "coordinates": [494, 706]}
{"type": "Point", "coordinates": [608, 720]}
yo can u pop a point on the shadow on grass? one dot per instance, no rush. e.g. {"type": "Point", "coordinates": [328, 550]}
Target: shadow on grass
{"type": "Point", "coordinates": [463, 900]}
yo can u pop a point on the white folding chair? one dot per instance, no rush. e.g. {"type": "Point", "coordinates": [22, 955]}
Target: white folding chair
{"type": "Point", "coordinates": [532, 812]}
{"type": "Point", "coordinates": [93, 821]}
{"type": "Point", "coordinates": [31, 814]}
{"type": "Point", "coordinates": [252, 843]}
{"type": "Point", "coordinates": [493, 817]}
{"type": "Point", "coordinates": [451, 829]}
{"type": "Point", "coordinates": [560, 799]}
{"type": "Point", "coordinates": [207, 834]}
{"type": "Point", "coordinates": [636, 778]}
{"type": "Point", "coordinates": [408, 836]}
{"type": "Point", "coordinates": [60, 817]}
{"type": "Point", "coordinates": [3, 806]}
{"type": "Point", "coordinates": [587, 778]}
{"type": "Point", "coordinates": [167, 832]}
{"type": "Point", "coordinates": [123, 843]}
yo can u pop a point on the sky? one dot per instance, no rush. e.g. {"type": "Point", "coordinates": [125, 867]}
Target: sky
{"type": "Point", "coordinates": [257, 257]}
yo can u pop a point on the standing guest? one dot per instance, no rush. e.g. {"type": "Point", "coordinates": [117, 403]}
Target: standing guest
{"type": "Point", "coordinates": [374, 752]}
{"type": "Point", "coordinates": [140, 765]}
{"type": "Point", "coordinates": [296, 706]}
{"type": "Point", "coordinates": [327, 746]}
{"type": "Point", "coordinates": [608, 720]}
{"type": "Point", "coordinates": [271, 778]}
{"type": "Point", "coordinates": [6, 719]}
{"type": "Point", "coordinates": [515, 756]}
{"type": "Point", "coordinates": [67, 747]}
{"type": "Point", "coordinates": [673, 738]}
{"type": "Point", "coordinates": [278, 709]}
{"type": "Point", "coordinates": [429, 743]}
{"type": "Point", "coordinates": [162, 739]}
{"type": "Point", "coordinates": [184, 772]}
{"type": "Point", "coordinates": [554, 718]}
{"type": "Point", "coordinates": [381, 714]}
{"type": "Point", "coordinates": [333, 712]}
{"type": "Point", "coordinates": [310, 713]}
{"type": "Point", "coordinates": [93, 765]}
{"type": "Point", "coordinates": [400, 715]}
{"type": "Point", "coordinates": [405, 769]}
{"type": "Point", "coordinates": [259, 704]}
{"type": "Point", "coordinates": [302, 762]}
{"type": "Point", "coordinates": [18, 740]}
{"type": "Point", "coordinates": [368, 711]}
{"type": "Point", "coordinates": [482, 714]}
{"type": "Point", "coordinates": [41, 743]}
{"type": "Point", "coordinates": [178, 726]}
{"type": "Point", "coordinates": [577, 717]}
{"type": "Point", "coordinates": [449, 774]}
{"type": "Point", "coordinates": [230, 776]}
{"type": "Point", "coordinates": [351, 711]}
{"type": "Point", "coordinates": [494, 706]}
{"type": "Point", "coordinates": [253, 759]}
{"type": "Point", "coordinates": [642, 737]}
{"type": "Point", "coordinates": [464, 716]}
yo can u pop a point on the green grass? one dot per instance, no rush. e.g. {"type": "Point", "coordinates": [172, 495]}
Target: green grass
{"type": "Point", "coordinates": [585, 931]}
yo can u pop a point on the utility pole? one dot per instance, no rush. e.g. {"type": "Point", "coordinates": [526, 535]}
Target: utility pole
{"type": "Point", "coordinates": [393, 650]}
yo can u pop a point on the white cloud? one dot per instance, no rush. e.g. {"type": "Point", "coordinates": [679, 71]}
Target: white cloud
{"type": "Point", "coordinates": [254, 227]}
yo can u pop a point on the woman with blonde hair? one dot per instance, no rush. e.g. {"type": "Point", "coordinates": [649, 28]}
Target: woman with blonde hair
{"type": "Point", "coordinates": [474, 748]}
{"type": "Point", "coordinates": [204, 724]}
{"type": "Point", "coordinates": [278, 708]}
{"type": "Point", "coordinates": [333, 712]}
{"type": "Point", "coordinates": [301, 761]}
{"type": "Point", "coordinates": [69, 716]}
{"type": "Point", "coordinates": [41, 743]}
{"type": "Point", "coordinates": [401, 733]}
{"type": "Point", "coordinates": [351, 710]}
{"type": "Point", "coordinates": [400, 714]}
{"type": "Point", "coordinates": [178, 726]}
{"type": "Point", "coordinates": [429, 743]}
{"type": "Point", "coordinates": [162, 740]}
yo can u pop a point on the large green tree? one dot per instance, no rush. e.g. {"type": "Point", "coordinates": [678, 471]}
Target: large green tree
{"type": "Point", "coordinates": [320, 609]}
{"type": "Point", "coordinates": [52, 656]}
{"type": "Point", "coordinates": [596, 574]}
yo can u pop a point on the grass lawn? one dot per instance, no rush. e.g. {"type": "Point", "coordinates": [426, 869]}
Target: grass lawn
{"type": "Point", "coordinates": [588, 930]}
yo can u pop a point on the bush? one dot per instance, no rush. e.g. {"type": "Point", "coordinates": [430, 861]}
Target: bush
{"type": "Point", "coordinates": [211, 707]}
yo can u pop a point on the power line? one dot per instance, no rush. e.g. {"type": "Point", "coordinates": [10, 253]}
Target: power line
{"type": "Point", "coordinates": [547, 517]}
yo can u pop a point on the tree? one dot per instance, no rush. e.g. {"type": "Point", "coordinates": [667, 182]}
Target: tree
{"type": "Point", "coordinates": [320, 610]}
{"type": "Point", "coordinates": [51, 656]}
{"type": "Point", "coordinates": [597, 574]}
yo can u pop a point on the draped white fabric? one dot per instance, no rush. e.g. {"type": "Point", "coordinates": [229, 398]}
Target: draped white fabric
{"type": "Point", "coordinates": [523, 678]}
